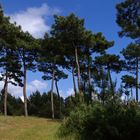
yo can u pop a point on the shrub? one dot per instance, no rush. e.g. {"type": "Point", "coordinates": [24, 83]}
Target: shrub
{"type": "Point", "coordinates": [112, 121]}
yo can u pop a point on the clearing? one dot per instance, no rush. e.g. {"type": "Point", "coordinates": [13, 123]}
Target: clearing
{"type": "Point", "coordinates": [30, 128]}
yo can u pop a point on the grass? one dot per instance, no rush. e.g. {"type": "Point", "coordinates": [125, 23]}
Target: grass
{"type": "Point", "coordinates": [31, 128]}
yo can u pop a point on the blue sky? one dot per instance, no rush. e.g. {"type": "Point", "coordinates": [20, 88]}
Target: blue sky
{"type": "Point", "coordinates": [36, 16]}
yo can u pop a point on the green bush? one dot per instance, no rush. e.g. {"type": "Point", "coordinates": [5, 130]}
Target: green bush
{"type": "Point", "coordinates": [112, 121]}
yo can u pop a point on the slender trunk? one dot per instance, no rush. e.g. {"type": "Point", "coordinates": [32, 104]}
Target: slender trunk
{"type": "Point", "coordinates": [137, 81]}
{"type": "Point", "coordinates": [74, 84]}
{"type": "Point", "coordinates": [24, 92]}
{"type": "Point", "coordinates": [56, 85]}
{"type": "Point", "coordinates": [78, 70]}
{"type": "Point", "coordinates": [103, 91]}
{"type": "Point", "coordinates": [89, 83]}
{"type": "Point", "coordinates": [131, 93]}
{"type": "Point", "coordinates": [52, 104]}
{"type": "Point", "coordinates": [89, 75]}
{"type": "Point", "coordinates": [111, 83]}
{"type": "Point", "coordinates": [84, 86]}
{"type": "Point", "coordinates": [5, 94]}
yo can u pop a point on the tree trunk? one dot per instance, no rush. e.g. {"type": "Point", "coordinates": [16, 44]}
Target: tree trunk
{"type": "Point", "coordinates": [89, 83]}
{"type": "Point", "coordinates": [52, 104]}
{"type": "Point", "coordinates": [137, 81]}
{"type": "Point", "coordinates": [78, 70]}
{"type": "Point", "coordinates": [56, 85]}
{"type": "Point", "coordinates": [131, 93]}
{"type": "Point", "coordinates": [111, 83]}
{"type": "Point", "coordinates": [5, 94]}
{"type": "Point", "coordinates": [74, 84]}
{"type": "Point", "coordinates": [24, 93]}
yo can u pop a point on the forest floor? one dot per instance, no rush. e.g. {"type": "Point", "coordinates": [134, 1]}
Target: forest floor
{"type": "Point", "coordinates": [30, 128]}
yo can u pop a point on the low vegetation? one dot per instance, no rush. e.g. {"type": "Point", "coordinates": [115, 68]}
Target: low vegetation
{"type": "Point", "coordinates": [31, 128]}
{"type": "Point", "coordinates": [113, 121]}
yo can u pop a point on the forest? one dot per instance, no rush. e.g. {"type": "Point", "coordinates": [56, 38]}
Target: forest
{"type": "Point", "coordinates": [101, 108]}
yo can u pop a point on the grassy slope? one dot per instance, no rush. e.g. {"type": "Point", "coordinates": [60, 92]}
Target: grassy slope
{"type": "Point", "coordinates": [21, 128]}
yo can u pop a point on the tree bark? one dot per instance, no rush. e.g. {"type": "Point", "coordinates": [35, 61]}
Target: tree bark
{"type": "Point", "coordinates": [74, 84]}
{"type": "Point", "coordinates": [89, 83]}
{"type": "Point", "coordinates": [56, 85]}
{"type": "Point", "coordinates": [111, 83]}
{"type": "Point", "coordinates": [24, 92]}
{"type": "Point", "coordinates": [78, 70]}
{"type": "Point", "coordinates": [52, 87]}
{"type": "Point", "coordinates": [137, 81]}
{"type": "Point", "coordinates": [131, 93]}
{"type": "Point", "coordinates": [5, 94]}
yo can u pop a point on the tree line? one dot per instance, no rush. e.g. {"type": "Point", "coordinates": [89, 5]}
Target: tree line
{"type": "Point", "coordinates": [70, 46]}
{"type": "Point", "coordinates": [39, 105]}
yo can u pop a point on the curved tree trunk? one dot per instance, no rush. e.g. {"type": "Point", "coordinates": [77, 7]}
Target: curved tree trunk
{"type": "Point", "coordinates": [52, 87]}
{"type": "Point", "coordinates": [24, 93]}
{"type": "Point", "coordinates": [5, 94]}
{"type": "Point", "coordinates": [74, 84]}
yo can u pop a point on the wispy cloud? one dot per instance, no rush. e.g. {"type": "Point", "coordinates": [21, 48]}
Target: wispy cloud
{"type": "Point", "coordinates": [69, 92]}
{"type": "Point", "coordinates": [34, 19]}
{"type": "Point", "coordinates": [31, 87]}
{"type": "Point", "coordinates": [36, 85]}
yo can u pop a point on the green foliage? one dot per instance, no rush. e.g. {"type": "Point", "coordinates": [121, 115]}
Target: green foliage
{"type": "Point", "coordinates": [129, 81]}
{"type": "Point", "coordinates": [70, 104]}
{"type": "Point", "coordinates": [128, 18]}
{"type": "Point", "coordinates": [109, 61]}
{"type": "Point", "coordinates": [14, 105]}
{"type": "Point", "coordinates": [40, 105]}
{"type": "Point", "coordinates": [114, 120]}
{"type": "Point", "coordinates": [131, 54]}
{"type": "Point", "coordinates": [105, 64]}
{"type": "Point", "coordinates": [9, 61]}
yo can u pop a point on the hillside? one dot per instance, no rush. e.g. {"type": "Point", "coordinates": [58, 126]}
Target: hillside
{"type": "Point", "coordinates": [21, 128]}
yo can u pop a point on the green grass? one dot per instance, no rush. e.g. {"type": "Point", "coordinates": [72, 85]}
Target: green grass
{"type": "Point", "coordinates": [30, 128]}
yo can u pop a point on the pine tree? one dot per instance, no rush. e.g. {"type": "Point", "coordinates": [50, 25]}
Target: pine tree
{"type": "Point", "coordinates": [27, 50]}
{"type": "Point", "coordinates": [110, 63]}
{"type": "Point", "coordinates": [70, 31]}
{"type": "Point", "coordinates": [128, 18]}
{"type": "Point", "coordinates": [132, 57]}
{"type": "Point", "coordinates": [49, 62]}
{"type": "Point", "coordinates": [95, 44]}
{"type": "Point", "coordinates": [129, 83]}
{"type": "Point", "coordinates": [9, 60]}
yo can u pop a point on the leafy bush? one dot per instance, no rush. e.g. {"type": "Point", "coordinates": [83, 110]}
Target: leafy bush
{"type": "Point", "coordinates": [112, 121]}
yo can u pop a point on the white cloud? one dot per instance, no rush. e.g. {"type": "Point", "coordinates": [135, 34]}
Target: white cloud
{"type": "Point", "coordinates": [70, 92]}
{"type": "Point", "coordinates": [33, 19]}
{"type": "Point", "coordinates": [31, 87]}
{"type": "Point", "coordinates": [36, 85]}
{"type": "Point", "coordinates": [22, 98]}
{"type": "Point", "coordinates": [61, 93]}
